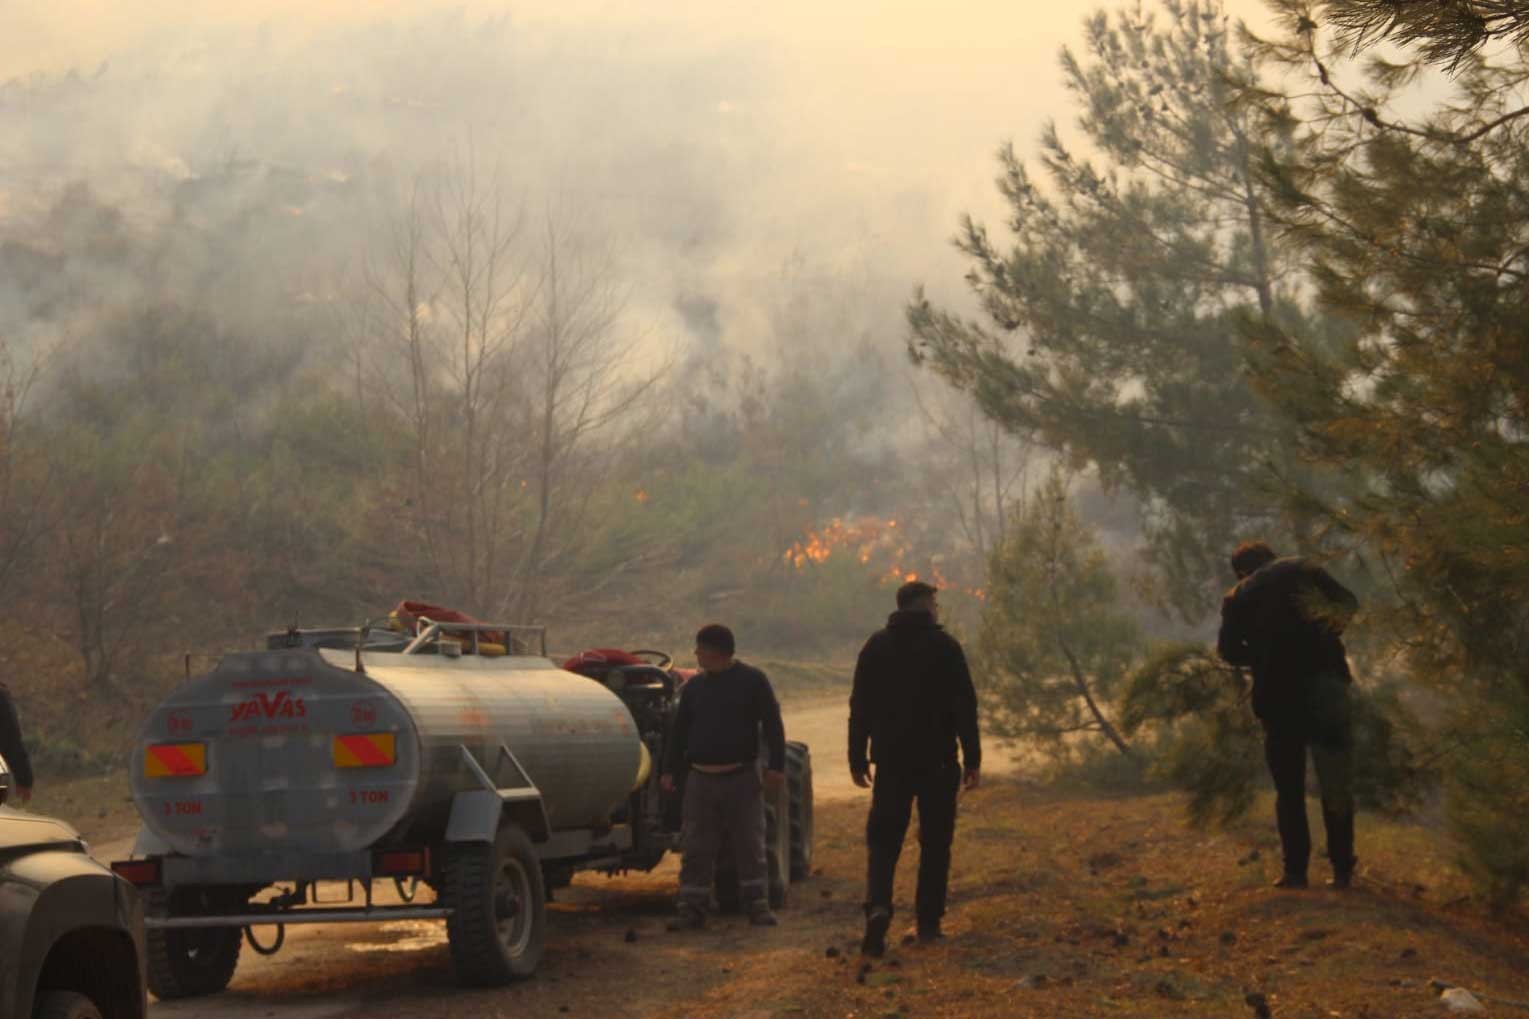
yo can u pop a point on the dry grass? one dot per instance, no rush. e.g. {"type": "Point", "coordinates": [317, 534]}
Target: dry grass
{"type": "Point", "coordinates": [100, 807]}
{"type": "Point", "coordinates": [1063, 905]}
{"type": "Point", "coordinates": [1109, 907]}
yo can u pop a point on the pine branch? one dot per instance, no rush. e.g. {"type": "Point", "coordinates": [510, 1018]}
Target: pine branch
{"type": "Point", "coordinates": [1447, 32]}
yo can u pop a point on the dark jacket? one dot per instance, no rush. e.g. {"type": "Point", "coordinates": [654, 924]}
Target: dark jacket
{"type": "Point", "coordinates": [1285, 622]}
{"type": "Point", "coordinates": [12, 747]}
{"type": "Point", "coordinates": [913, 698]}
{"type": "Point", "coordinates": [721, 718]}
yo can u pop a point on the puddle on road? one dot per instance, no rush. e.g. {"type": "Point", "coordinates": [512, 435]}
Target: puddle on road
{"type": "Point", "coordinates": [403, 936]}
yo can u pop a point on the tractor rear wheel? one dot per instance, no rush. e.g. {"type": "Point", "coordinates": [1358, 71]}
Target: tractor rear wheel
{"type": "Point", "coordinates": [778, 848]}
{"type": "Point", "coordinates": [777, 859]}
{"type": "Point", "coordinates": [799, 791]}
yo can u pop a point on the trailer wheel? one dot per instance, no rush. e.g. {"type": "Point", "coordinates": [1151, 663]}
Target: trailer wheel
{"type": "Point", "coordinates": [188, 962]}
{"type": "Point", "coordinates": [498, 922]}
{"type": "Point", "coordinates": [799, 788]}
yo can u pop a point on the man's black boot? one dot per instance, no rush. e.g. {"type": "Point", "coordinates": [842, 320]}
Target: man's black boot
{"type": "Point", "coordinates": [1343, 877]}
{"type": "Point", "coordinates": [877, 921]}
{"type": "Point", "coordinates": [929, 933]}
{"type": "Point", "coordinates": [1289, 880]}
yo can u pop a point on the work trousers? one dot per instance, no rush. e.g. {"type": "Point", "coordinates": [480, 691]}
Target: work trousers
{"type": "Point", "coordinates": [723, 807]}
{"type": "Point", "coordinates": [1332, 753]}
{"type": "Point", "coordinates": [893, 795]}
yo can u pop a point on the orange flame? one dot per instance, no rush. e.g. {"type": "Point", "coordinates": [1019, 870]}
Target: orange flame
{"type": "Point", "coordinates": [870, 540]}
{"type": "Point", "coordinates": [865, 539]}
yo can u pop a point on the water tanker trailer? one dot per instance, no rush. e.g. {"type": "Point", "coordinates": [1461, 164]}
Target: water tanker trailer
{"type": "Point", "coordinates": [292, 785]}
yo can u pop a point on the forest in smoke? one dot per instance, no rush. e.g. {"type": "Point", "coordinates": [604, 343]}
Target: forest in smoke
{"type": "Point", "coordinates": [296, 325]}
{"type": "Point", "coordinates": [295, 328]}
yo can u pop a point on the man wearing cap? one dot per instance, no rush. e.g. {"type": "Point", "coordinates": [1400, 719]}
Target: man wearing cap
{"type": "Point", "coordinates": [912, 702]}
{"type": "Point", "coordinates": [723, 711]}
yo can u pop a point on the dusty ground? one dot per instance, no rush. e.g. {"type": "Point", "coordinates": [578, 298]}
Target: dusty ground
{"type": "Point", "coordinates": [342, 970]}
{"type": "Point", "coordinates": [1062, 905]}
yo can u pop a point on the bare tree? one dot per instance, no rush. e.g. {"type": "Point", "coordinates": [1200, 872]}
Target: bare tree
{"type": "Point", "coordinates": [583, 378]}
{"type": "Point", "coordinates": [25, 474]}
{"type": "Point", "coordinates": [114, 559]}
{"type": "Point", "coordinates": [446, 304]}
{"type": "Point", "coordinates": [504, 358]}
{"type": "Point", "coordinates": [983, 465]}
{"type": "Point", "coordinates": [105, 506]}
{"type": "Point", "coordinates": [485, 298]}
{"type": "Point", "coordinates": [115, 508]}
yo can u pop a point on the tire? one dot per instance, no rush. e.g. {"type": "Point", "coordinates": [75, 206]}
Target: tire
{"type": "Point", "coordinates": [498, 923]}
{"type": "Point", "coordinates": [778, 849]}
{"type": "Point", "coordinates": [777, 862]}
{"type": "Point", "coordinates": [65, 1005]}
{"type": "Point", "coordinates": [192, 961]}
{"type": "Point", "coordinates": [799, 788]}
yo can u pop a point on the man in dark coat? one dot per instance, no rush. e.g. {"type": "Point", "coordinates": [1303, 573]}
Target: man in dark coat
{"type": "Point", "coordinates": [723, 713]}
{"type": "Point", "coordinates": [912, 701]}
{"type": "Point", "coordinates": [13, 748]}
{"type": "Point", "coordinates": [1284, 620]}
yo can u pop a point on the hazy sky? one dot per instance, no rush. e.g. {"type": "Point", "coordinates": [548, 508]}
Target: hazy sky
{"type": "Point", "coordinates": [848, 134]}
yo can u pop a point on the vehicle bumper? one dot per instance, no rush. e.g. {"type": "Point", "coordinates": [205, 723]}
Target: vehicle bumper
{"type": "Point", "coordinates": [265, 868]}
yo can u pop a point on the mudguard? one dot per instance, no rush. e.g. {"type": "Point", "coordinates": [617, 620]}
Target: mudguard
{"type": "Point", "coordinates": [51, 895]}
{"type": "Point", "coordinates": [149, 844]}
{"type": "Point", "coordinates": [476, 813]}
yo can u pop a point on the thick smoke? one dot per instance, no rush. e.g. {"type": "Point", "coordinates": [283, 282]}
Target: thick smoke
{"type": "Point", "coordinates": [250, 173]}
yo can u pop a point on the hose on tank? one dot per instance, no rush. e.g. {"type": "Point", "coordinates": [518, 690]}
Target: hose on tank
{"type": "Point", "coordinates": [273, 948]}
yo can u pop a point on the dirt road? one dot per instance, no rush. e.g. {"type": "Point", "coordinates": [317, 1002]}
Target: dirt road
{"type": "Point", "coordinates": [607, 952]}
{"type": "Point", "coordinates": [1063, 905]}
{"type": "Point", "coordinates": [821, 723]}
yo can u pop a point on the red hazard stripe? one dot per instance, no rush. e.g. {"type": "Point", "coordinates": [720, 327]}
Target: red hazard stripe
{"type": "Point", "coordinates": [176, 759]}
{"type": "Point", "coordinates": [365, 751]}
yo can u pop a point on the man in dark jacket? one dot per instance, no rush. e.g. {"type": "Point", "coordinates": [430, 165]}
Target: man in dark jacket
{"type": "Point", "coordinates": [723, 711]}
{"type": "Point", "coordinates": [13, 748]}
{"type": "Point", "coordinates": [912, 700]}
{"type": "Point", "coordinates": [1284, 620]}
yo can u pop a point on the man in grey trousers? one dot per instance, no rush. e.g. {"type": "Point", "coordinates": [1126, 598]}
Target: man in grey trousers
{"type": "Point", "coordinates": [723, 711]}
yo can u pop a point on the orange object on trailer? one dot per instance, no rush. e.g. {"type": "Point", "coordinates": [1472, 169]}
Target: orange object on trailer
{"type": "Point", "coordinates": [408, 614]}
{"type": "Point", "coordinates": [599, 659]}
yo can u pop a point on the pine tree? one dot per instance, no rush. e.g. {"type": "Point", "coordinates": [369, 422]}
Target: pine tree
{"type": "Point", "coordinates": [1111, 315]}
{"type": "Point", "coordinates": [1445, 31]}
{"type": "Point", "coordinates": [1055, 642]}
{"type": "Point", "coordinates": [1192, 708]}
{"type": "Point", "coordinates": [1418, 233]}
